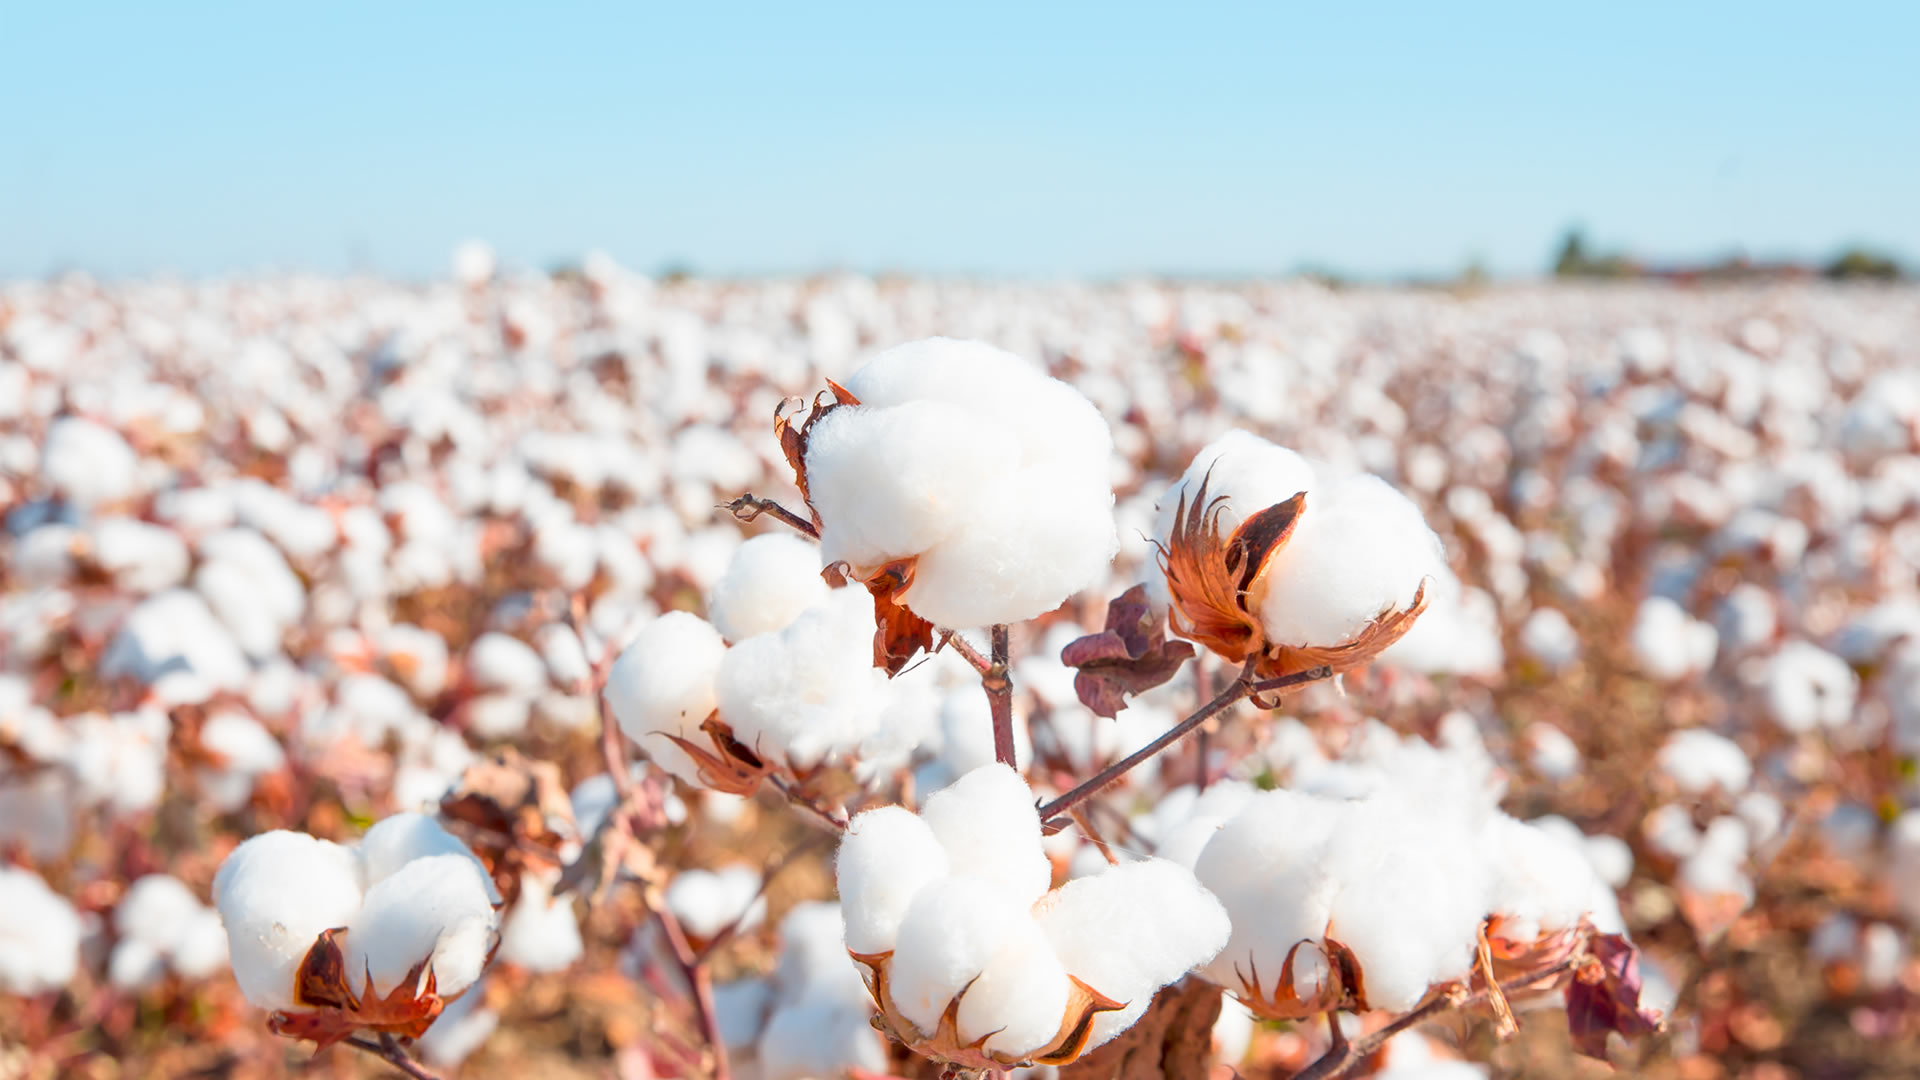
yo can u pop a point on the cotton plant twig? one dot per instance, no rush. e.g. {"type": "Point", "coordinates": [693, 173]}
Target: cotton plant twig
{"type": "Point", "coordinates": [751, 507]}
{"type": "Point", "coordinates": [819, 815]}
{"type": "Point", "coordinates": [389, 1050]}
{"type": "Point", "coordinates": [701, 980]}
{"type": "Point", "coordinates": [999, 687]}
{"type": "Point", "coordinates": [1241, 687]}
{"type": "Point", "coordinates": [1344, 1056]}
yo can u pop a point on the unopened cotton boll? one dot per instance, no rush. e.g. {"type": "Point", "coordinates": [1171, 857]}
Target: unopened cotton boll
{"type": "Point", "coordinates": [40, 936]}
{"type": "Point", "coordinates": [276, 893]}
{"type": "Point", "coordinates": [988, 824]}
{"type": "Point", "coordinates": [886, 857]}
{"type": "Point", "coordinates": [436, 910]}
{"type": "Point", "coordinates": [770, 580]}
{"type": "Point", "coordinates": [808, 692]}
{"type": "Point", "coordinates": [663, 684]}
{"type": "Point", "coordinates": [1130, 930]}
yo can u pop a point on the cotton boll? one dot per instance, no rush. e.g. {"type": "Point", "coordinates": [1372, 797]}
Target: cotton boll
{"type": "Point", "coordinates": [1808, 688]}
{"type": "Point", "coordinates": [459, 1030]}
{"type": "Point", "coordinates": [741, 1008]}
{"type": "Point", "coordinates": [1252, 473]}
{"type": "Point", "coordinates": [200, 948]}
{"type": "Point", "coordinates": [497, 661]}
{"type": "Point", "coordinates": [988, 824]}
{"type": "Point", "coordinates": [949, 936]}
{"type": "Point", "coordinates": [1698, 761]}
{"type": "Point", "coordinates": [142, 558]}
{"type": "Point", "coordinates": [399, 839]}
{"type": "Point", "coordinates": [1359, 550]}
{"type": "Point", "coordinates": [1232, 1033]}
{"type": "Point", "coordinates": [276, 893]}
{"type": "Point", "coordinates": [808, 1040]}
{"type": "Point", "coordinates": [155, 910]}
{"type": "Point", "coordinates": [1132, 929]}
{"type": "Point", "coordinates": [1669, 830]}
{"type": "Point", "coordinates": [814, 964]}
{"type": "Point", "coordinates": [770, 580]}
{"type": "Point", "coordinates": [708, 901]}
{"type": "Point", "coordinates": [565, 655]}
{"type": "Point", "coordinates": [1668, 643]}
{"type": "Point", "coordinates": [886, 857]}
{"type": "Point", "coordinates": [1548, 637]}
{"type": "Point", "coordinates": [541, 932]}
{"type": "Point", "coordinates": [1017, 1003]}
{"type": "Point", "coordinates": [87, 464]}
{"type": "Point", "coordinates": [1551, 753]}
{"type": "Point", "coordinates": [1540, 882]}
{"type": "Point", "coordinates": [1266, 867]}
{"type": "Point", "coordinates": [809, 692]}
{"type": "Point", "coordinates": [172, 632]}
{"type": "Point", "coordinates": [247, 751]}
{"type": "Point", "coordinates": [436, 909]}
{"type": "Point", "coordinates": [417, 656]}
{"type": "Point", "coordinates": [135, 965]}
{"type": "Point", "coordinates": [663, 684]}
{"type": "Point", "coordinates": [39, 938]}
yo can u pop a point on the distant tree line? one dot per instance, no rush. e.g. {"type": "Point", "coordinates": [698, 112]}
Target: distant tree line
{"type": "Point", "coordinates": [1576, 260]}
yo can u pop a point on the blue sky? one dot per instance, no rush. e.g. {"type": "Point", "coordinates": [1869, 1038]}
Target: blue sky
{"type": "Point", "coordinates": [1027, 139]}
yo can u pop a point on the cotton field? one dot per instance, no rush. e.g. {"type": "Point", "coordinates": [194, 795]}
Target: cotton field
{"type": "Point", "coordinates": [597, 675]}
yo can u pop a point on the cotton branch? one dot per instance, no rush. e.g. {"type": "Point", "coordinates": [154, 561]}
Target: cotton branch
{"type": "Point", "coordinates": [1241, 687]}
{"type": "Point", "coordinates": [389, 1050]}
{"type": "Point", "coordinates": [750, 507]}
{"type": "Point", "coordinates": [999, 690]}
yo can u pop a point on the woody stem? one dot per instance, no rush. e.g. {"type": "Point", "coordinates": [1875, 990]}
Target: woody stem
{"type": "Point", "coordinates": [748, 507]}
{"type": "Point", "coordinates": [999, 690]}
{"type": "Point", "coordinates": [390, 1051]}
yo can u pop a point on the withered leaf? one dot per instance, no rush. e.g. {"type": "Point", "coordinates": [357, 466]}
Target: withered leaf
{"type": "Point", "coordinates": [898, 632]}
{"type": "Point", "coordinates": [1132, 655]}
{"type": "Point", "coordinates": [1605, 997]}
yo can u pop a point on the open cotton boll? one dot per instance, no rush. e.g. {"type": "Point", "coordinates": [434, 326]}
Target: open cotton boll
{"type": "Point", "coordinates": [156, 910]}
{"type": "Point", "coordinates": [564, 654]}
{"type": "Point", "coordinates": [276, 893]}
{"type": "Point", "coordinates": [814, 964]}
{"type": "Point", "coordinates": [142, 557]}
{"type": "Point", "coordinates": [886, 857]}
{"type": "Point", "coordinates": [1250, 472]}
{"type": "Point", "coordinates": [663, 684]}
{"type": "Point", "coordinates": [1808, 687]}
{"type": "Point", "coordinates": [200, 947]}
{"type": "Point", "coordinates": [770, 580]}
{"type": "Point", "coordinates": [708, 901]}
{"type": "Point", "coordinates": [807, 1040]}
{"type": "Point", "coordinates": [1541, 882]}
{"type": "Point", "coordinates": [1265, 867]}
{"type": "Point", "coordinates": [497, 661]}
{"type": "Point", "coordinates": [808, 692]}
{"type": "Point", "coordinates": [541, 932]}
{"type": "Point", "coordinates": [1669, 644]}
{"type": "Point", "coordinates": [418, 656]}
{"type": "Point", "coordinates": [949, 936]}
{"type": "Point", "coordinates": [1017, 1003]}
{"type": "Point", "coordinates": [988, 824]}
{"type": "Point", "coordinates": [1359, 550]}
{"type": "Point", "coordinates": [1551, 752]}
{"type": "Point", "coordinates": [399, 839]}
{"type": "Point", "coordinates": [246, 751]}
{"type": "Point", "coordinates": [40, 936]}
{"type": "Point", "coordinates": [87, 464]}
{"type": "Point", "coordinates": [1132, 929]}
{"type": "Point", "coordinates": [1697, 761]}
{"type": "Point", "coordinates": [436, 909]}
{"type": "Point", "coordinates": [1548, 637]}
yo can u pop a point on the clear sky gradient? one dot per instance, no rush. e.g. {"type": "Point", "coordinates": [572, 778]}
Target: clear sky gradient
{"type": "Point", "coordinates": [1027, 139]}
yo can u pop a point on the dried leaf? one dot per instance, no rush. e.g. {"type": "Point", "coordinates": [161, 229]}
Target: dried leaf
{"type": "Point", "coordinates": [899, 633]}
{"type": "Point", "coordinates": [1605, 997]}
{"type": "Point", "coordinates": [515, 813]}
{"type": "Point", "coordinates": [1132, 655]}
{"type": "Point", "coordinates": [1208, 576]}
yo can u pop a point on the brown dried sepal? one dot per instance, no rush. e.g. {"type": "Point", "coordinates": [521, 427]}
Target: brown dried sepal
{"type": "Point", "coordinates": [730, 766]}
{"type": "Point", "coordinates": [1132, 655]}
{"type": "Point", "coordinates": [1344, 988]}
{"type": "Point", "coordinates": [793, 437]}
{"type": "Point", "coordinates": [331, 1010]}
{"type": "Point", "coordinates": [898, 632]}
{"type": "Point", "coordinates": [1208, 576]}
{"type": "Point", "coordinates": [514, 813]}
{"type": "Point", "coordinates": [1391, 626]}
{"type": "Point", "coordinates": [1076, 1024]}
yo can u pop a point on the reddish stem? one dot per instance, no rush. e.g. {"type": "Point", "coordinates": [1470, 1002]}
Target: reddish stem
{"type": "Point", "coordinates": [999, 690]}
{"type": "Point", "coordinates": [390, 1051]}
{"type": "Point", "coordinates": [749, 507]}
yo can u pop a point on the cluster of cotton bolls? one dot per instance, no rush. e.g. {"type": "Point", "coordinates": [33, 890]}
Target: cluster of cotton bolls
{"type": "Point", "coordinates": [290, 552]}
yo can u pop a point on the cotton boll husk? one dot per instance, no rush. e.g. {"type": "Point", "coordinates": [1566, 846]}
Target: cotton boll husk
{"type": "Point", "coordinates": [1131, 930]}
{"type": "Point", "coordinates": [1697, 760]}
{"type": "Point", "coordinates": [1265, 867]}
{"type": "Point", "coordinates": [1051, 535]}
{"type": "Point", "coordinates": [498, 661]}
{"type": "Point", "coordinates": [886, 857]}
{"type": "Point", "coordinates": [399, 839]}
{"type": "Point", "coordinates": [770, 580]}
{"type": "Point", "coordinates": [40, 936]}
{"type": "Point", "coordinates": [276, 893]}
{"type": "Point", "coordinates": [707, 901]}
{"type": "Point", "coordinates": [988, 824]}
{"type": "Point", "coordinates": [1359, 550]}
{"type": "Point", "coordinates": [437, 908]}
{"type": "Point", "coordinates": [810, 691]}
{"type": "Point", "coordinates": [541, 932]}
{"type": "Point", "coordinates": [950, 934]}
{"type": "Point", "coordinates": [663, 684]}
{"type": "Point", "coordinates": [887, 485]}
{"type": "Point", "coordinates": [1017, 1002]}
{"type": "Point", "coordinates": [809, 1040]}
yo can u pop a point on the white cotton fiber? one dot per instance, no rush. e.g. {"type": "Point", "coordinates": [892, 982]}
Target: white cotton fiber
{"type": "Point", "coordinates": [807, 1040]}
{"type": "Point", "coordinates": [39, 937]}
{"type": "Point", "coordinates": [950, 934]}
{"type": "Point", "coordinates": [886, 857]}
{"type": "Point", "coordinates": [437, 909]}
{"type": "Point", "coordinates": [814, 964]}
{"type": "Point", "coordinates": [541, 932]}
{"type": "Point", "coordinates": [1265, 867]}
{"type": "Point", "coordinates": [155, 910]}
{"type": "Point", "coordinates": [1669, 644]}
{"type": "Point", "coordinates": [276, 893]}
{"type": "Point", "coordinates": [497, 661]}
{"type": "Point", "coordinates": [662, 684]}
{"type": "Point", "coordinates": [1548, 637]}
{"type": "Point", "coordinates": [399, 839]}
{"type": "Point", "coordinates": [459, 1030]}
{"type": "Point", "coordinates": [808, 692]}
{"type": "Point", "coordinates": [1017, 1002]}
{"type": "Point", "coordinates": [1697, 761]}
{"type": "Point", "coordinates": [770, 580]}
{"type": "Point", "coordinates": [1540, 881]}
{"type": "Point", "coordinates": [1250, 472]}
{"type": "Point", "coordinates": [988, 823]}
{"type": "Point", "coordinates": [200, 948]}
{"type": "Point", "coordinates": [708, 901]}
{"type": "Point", "coordinates": [86, 463]}
{"type": "Point", "coordinates": [1808, 687]}
{"type": "Point", "coordinates": [1132, 929]}
{"type": "Point", "coordinates": [1359, 550]}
